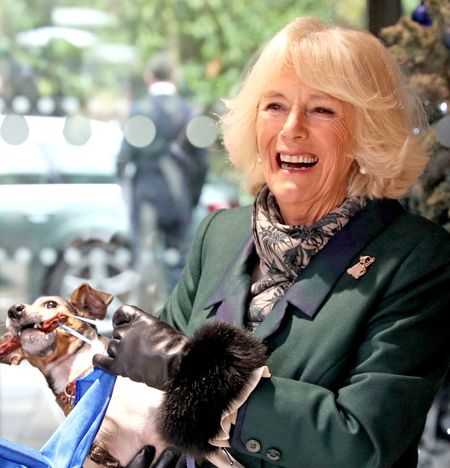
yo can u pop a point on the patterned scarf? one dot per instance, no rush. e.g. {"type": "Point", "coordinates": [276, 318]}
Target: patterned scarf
{"type": "Point", "coordinates": [286, 250]}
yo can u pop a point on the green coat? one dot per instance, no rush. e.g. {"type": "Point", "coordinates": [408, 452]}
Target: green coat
{"type": "Point", "coordinates": [355, 363]}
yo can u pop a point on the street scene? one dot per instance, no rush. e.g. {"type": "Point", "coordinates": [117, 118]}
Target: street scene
{"type": "Point", "coordinates": [271, 191]}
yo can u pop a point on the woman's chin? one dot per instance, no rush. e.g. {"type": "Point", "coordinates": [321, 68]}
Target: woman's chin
{"type": "Point", "coordinates": [290, 192]}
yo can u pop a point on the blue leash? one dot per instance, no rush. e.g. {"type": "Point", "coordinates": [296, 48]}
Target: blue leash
{"type": "Point", "coordinates": [69, 445]}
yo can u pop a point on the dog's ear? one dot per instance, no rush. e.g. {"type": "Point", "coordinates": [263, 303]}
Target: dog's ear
{"type": "Point", "coordinates": [90, 302]}
{"type": "Point", "coordinates": [10, 349]}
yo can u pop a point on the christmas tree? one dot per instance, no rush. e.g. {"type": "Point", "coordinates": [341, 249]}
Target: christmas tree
{"type": "Point", "coordinates": [421, 44]}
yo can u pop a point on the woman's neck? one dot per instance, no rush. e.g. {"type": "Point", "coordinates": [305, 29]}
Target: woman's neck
{"type": "Point", "coordinates": [309, 213]}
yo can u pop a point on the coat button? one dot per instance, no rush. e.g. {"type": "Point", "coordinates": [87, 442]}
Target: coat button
{"type": "Point", "coordinates": [253, 446]}
{"type": "Point", "coordinates": [273, 454]}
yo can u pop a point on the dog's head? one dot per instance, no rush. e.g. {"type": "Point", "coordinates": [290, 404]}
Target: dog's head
{"type": "Point", "coordinates": [33, 331]}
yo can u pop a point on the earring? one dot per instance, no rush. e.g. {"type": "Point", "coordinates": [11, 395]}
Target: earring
{"type": "Point", "coordinates": [258, 159]}
{"type": "Point", "coordinates": [362, 170]}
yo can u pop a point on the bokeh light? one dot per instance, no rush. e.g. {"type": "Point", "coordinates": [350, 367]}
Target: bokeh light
{"type": "Point", "coordinates": [46, 105]}
{"type": "Point", "coordinates": [14, 129]}
{"type": "Point", "coordinates": [139, 131]}
{"type": "Point", "coordinates": [201, 131]}
{"type": "Point", "coordinates": [21, 105]}
{"type": "Point", "coordinates": [70, 104]}
{"type": "Point", "coordinates": [77, 130]}
{"type": "Point", "coordinates": [48, 256]}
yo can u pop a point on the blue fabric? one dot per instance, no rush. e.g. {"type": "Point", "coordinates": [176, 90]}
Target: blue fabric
{"type": "Point", "coordinates": [70, 444]}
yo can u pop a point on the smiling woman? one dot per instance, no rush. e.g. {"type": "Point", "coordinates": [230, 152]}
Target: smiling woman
{"type": "Point", "coordinates": [347, 291]}
{"type": "Point", "coordinates": [303, 141]}
{"type": "Point", "coordinates": [352, 69]}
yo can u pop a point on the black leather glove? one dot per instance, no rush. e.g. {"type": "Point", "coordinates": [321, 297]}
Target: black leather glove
{"type": "Point", "coordinates": [142, 347]}
{"type": "Point", "coordinates": [169, 458]}
{"type": "Point", "coordinates": [201, 375]}
{"type": "Point", "coordinates": [143, 458]}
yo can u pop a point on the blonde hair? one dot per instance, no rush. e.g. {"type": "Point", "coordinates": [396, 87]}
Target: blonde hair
{"type": "Point", "coordinates": [356, 68]}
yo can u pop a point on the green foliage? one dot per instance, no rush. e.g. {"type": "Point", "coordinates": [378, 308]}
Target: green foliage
{"type": "Point", "coordinates": [213, 40]}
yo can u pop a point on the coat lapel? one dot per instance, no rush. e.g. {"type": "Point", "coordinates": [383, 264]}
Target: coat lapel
{"type": "Point", "coordinates": [231, 296]}
{"type": "Point", "coordinates": [308, 293]}
{"type": "Point", "coordinates": [314, 284]}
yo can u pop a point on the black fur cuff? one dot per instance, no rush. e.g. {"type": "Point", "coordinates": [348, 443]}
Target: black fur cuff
{"type": "Point", "coordinates": [212, 373]}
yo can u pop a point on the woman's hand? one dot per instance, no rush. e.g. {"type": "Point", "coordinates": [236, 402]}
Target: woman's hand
{"type": "Point", "coordinates": [201, 376]}
{"type": "Point", "coordinates": [143, 348]}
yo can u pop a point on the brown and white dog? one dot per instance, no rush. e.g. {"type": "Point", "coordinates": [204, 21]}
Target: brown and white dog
{"type": "Point", "coordinates": [34, 334]}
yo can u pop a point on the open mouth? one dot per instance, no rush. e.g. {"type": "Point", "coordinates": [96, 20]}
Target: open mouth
{"type": "Point", "coordinates": [30, 326]}
{"type": "Point", "coordinates": [45, 326]}
{"type": "Point", "coordinates": [40, 338]}
{"type": "Point", "coordinates": [37, 338]}
{"type": "Point", "coordinates": [37, 342]}
{"type": "Point", "coordinates": [298, 162]}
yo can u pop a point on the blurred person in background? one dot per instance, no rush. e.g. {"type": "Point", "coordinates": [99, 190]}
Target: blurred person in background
{"type": "Point", "coordinates": [166, 175]}
{"type": "Point", "coordinates": [312, 328]}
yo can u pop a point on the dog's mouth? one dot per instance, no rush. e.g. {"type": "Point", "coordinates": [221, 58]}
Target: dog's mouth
{"type": "Point", "coordinates": [39, 339]}
{"type": "Point", "coordinates": [30, 326]}
{"type": "Point", "coordinates": [45, 326]}
{"type": "Point", "coordinates": [35, 341]}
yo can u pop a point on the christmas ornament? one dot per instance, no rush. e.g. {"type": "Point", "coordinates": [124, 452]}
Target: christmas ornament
{"type": "Point", "coordinates": [420, 15]}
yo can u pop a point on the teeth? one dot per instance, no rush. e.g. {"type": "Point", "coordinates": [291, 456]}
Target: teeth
{"type": "Point", "coordinates": [298, 158]}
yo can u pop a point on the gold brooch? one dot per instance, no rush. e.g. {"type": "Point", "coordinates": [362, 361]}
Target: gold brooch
{"type": "Point", "coordinates": [361, 267]}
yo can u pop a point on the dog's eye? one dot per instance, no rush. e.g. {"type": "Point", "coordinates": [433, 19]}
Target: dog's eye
{"type": "Point", "coordinates": [50, 304]}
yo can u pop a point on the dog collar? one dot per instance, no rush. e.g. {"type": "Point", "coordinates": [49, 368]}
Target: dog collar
{"type": "Point", "coordinates": [66, 398]}
{"type": "Point", "coordinates": [101, 456]}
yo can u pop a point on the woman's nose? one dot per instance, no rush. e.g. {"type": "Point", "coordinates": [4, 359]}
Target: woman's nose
{"type": "Point", "coordinates": [294, 127]}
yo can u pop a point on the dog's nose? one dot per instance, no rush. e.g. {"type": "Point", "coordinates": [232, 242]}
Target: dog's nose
{"type": "Point", "coordinates": [15, 311]}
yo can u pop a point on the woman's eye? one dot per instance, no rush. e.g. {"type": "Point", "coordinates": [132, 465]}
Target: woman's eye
{"type": "Point", "coordinates": [273, 106]}
{"type": "Point", "coordinates": [324, 110]}
{"type": "Point", "coordinates": [50, 305]}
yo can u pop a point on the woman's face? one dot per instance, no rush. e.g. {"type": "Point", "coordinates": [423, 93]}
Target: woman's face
{"type": "Point", "coordinates": [303, 138]}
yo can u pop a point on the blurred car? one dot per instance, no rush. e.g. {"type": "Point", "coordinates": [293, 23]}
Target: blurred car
{"type": "Point", "coordinates": [218, 192]}
{"type": "Point", "coordinates": [62, 214]}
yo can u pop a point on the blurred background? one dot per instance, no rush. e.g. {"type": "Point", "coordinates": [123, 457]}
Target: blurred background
{"type": "Point", "coordinates": [69, 72]}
